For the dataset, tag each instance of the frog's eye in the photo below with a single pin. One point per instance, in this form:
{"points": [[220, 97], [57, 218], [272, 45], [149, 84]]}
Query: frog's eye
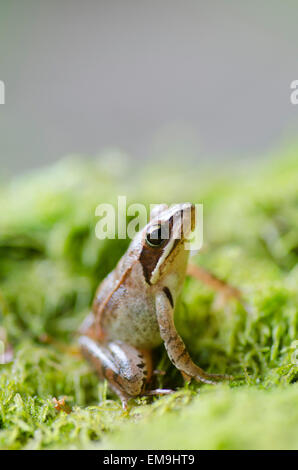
{"points": [[157, 235]]}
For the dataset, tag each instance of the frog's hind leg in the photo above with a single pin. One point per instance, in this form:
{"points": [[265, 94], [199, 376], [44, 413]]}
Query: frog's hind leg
{"points": [[214, 282], [225, 291], [126, 368]]}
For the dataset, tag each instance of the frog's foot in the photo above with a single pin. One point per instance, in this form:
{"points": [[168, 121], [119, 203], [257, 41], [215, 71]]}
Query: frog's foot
{"points": [[126, 368], [159, 391], [124, 401], [203, 377], [212, 379]]}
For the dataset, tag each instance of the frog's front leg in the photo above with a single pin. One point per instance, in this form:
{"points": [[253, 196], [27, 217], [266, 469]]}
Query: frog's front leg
{"points": [[175, 346], [126, 368]]}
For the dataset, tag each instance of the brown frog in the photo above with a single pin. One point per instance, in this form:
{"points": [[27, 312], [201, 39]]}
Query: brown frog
{"points": [[133, 309]]}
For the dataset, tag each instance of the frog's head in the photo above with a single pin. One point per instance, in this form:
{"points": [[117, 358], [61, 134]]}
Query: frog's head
{"points": [[163, 252]]}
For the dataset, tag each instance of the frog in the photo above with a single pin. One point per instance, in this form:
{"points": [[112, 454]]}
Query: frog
{"points": [[133, 308]]}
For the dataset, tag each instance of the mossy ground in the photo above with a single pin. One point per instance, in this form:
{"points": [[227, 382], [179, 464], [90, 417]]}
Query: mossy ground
{"points": [[51, 263]]}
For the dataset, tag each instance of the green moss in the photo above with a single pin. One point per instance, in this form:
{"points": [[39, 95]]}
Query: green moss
{"points": [[244, 418], [51, 263]]}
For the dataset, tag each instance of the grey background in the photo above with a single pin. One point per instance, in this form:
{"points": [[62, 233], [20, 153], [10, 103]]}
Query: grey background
{"points": [[208, 78]]}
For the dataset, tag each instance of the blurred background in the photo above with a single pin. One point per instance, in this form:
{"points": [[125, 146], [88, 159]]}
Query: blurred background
{"points": [[190, 91], [197, 78]]}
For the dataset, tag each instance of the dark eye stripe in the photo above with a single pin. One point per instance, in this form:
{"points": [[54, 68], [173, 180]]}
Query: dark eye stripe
{"points": [[169, 295], [149, 258], [150, 255]]}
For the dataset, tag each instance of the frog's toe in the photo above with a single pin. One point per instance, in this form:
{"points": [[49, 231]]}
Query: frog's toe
{"points": [[213, 379], [159, 391], [124, 402]]}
